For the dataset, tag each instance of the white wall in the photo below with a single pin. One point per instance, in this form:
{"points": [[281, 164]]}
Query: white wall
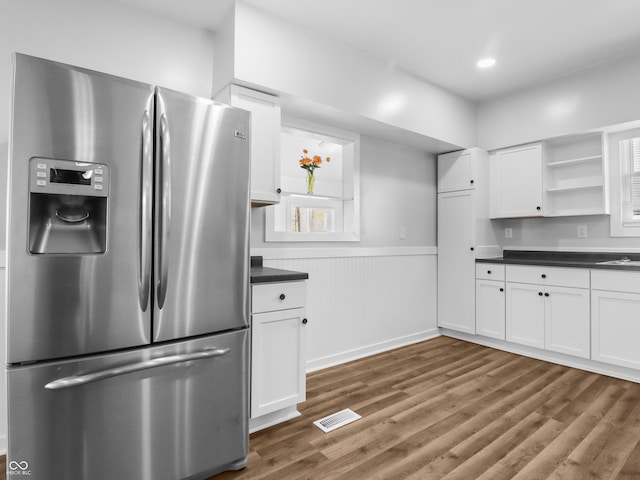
{"points": [[363, 303], [288, 59], [397, 188], [107, 36], [604, 95]]}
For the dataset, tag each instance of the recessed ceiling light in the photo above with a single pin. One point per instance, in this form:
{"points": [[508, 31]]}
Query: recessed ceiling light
{"points": [[486, 63]]}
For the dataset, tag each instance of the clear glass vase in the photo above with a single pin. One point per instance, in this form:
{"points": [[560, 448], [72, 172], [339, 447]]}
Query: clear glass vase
{"points": [[310, 181]]}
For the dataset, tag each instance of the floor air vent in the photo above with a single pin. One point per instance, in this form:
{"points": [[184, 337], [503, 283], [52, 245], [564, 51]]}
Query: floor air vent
{"points": [[336, 420]]}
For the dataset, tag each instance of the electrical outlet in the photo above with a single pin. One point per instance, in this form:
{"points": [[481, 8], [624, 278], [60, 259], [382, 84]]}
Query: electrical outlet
{"points": [[508, 232], [582, 231], [403, 233]]}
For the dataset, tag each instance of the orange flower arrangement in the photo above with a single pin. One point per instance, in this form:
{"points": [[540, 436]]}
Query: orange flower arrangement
{"points": [[310, 164]]}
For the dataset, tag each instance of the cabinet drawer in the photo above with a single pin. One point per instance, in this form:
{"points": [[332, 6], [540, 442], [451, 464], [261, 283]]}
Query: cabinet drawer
{"points": [[489, 271], [278, 296], [615, 280], [562, 277]]}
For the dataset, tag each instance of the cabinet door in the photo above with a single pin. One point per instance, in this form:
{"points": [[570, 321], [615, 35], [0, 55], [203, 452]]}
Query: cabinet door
{"points": [[265, 142], [456, 261], [516, 182], [615, 328], [456, 171], [490, 309], [277, 363], [525, 314], [567, 322]]}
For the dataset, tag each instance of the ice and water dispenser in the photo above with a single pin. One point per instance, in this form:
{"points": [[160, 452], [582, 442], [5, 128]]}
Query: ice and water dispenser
{"points": [[67, 206]]}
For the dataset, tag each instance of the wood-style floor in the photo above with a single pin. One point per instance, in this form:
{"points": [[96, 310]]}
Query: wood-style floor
{"points": [[448, 409]]}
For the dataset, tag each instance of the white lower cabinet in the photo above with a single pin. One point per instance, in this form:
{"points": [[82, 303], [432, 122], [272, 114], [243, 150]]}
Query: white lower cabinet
{"points": [[567, 321], [278, 374], [553, 314], [490, 309], [490, 303], [525, 314], [615, 318]]}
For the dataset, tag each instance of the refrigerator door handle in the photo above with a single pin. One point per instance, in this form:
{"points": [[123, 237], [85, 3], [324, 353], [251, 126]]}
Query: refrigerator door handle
{"points": [[165, 208], [78, 380], [145, 212]]}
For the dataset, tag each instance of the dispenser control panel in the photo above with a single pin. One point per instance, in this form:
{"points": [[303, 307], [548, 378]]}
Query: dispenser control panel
{"points": [[66, 177]]}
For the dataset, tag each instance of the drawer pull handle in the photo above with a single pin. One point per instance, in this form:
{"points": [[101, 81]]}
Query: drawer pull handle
{"points": [[488, 272], [540, 294], [282, 296], [546, 294], [544, 276], [501, 289], [304, 321]]}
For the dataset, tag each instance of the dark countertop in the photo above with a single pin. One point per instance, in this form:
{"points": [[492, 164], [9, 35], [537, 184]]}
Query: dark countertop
{"points": [[260, 274], [563, 259]]}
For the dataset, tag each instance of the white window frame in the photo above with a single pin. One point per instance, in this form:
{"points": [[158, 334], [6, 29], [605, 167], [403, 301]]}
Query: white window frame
{"points": [[619, 227], [351, 203]]}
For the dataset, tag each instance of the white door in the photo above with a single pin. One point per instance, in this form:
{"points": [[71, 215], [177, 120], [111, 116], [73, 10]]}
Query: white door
{"points": [[456, 261], [615, 328], [516, 182], [525, 314], [265, 142], [277, 365], [456, 171], [490, 309], [567, 321]]}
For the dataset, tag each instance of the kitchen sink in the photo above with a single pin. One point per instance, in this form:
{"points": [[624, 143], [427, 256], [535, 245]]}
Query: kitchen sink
{"points": [[623, 261]]}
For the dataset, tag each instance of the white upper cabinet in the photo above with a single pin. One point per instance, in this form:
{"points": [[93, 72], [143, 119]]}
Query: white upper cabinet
{"points": [[265, 140], [516, 182], [457, 171], [562, 176], [575, 176]]}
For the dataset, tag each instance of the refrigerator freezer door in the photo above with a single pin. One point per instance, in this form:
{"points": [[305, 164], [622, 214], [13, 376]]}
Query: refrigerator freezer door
{"points": [[177, 419], [202, 216], [69, 304]]}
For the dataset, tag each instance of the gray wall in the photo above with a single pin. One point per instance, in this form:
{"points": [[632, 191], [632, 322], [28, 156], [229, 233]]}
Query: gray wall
{"points": [[561, 233], [397, 188]]}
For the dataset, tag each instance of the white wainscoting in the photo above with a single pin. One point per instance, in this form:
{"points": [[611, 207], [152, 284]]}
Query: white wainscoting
{"points": [[362, 301]]}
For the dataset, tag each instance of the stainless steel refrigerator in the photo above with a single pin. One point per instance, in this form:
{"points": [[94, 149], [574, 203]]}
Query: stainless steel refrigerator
{"points": [[128, 277]]}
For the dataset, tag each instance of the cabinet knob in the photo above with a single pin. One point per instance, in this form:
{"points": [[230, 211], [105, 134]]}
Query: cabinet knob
{"points": [[304, 321], [546, 294], [472, 249], [471, 182], [540, 294], [501, 289], [543, 275], [282, 296], [279, 190], [538, 208], [488, 272]]}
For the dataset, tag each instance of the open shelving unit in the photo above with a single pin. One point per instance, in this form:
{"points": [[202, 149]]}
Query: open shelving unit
{"points": [[575, 175]]}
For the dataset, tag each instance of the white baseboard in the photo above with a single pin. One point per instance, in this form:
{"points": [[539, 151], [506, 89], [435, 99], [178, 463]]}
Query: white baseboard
{"points": [[356, 354], [553, 357], [273, 418]]}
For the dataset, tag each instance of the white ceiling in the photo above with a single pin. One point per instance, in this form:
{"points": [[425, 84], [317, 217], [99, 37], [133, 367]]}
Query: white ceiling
{"points": [[441, 40]]}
